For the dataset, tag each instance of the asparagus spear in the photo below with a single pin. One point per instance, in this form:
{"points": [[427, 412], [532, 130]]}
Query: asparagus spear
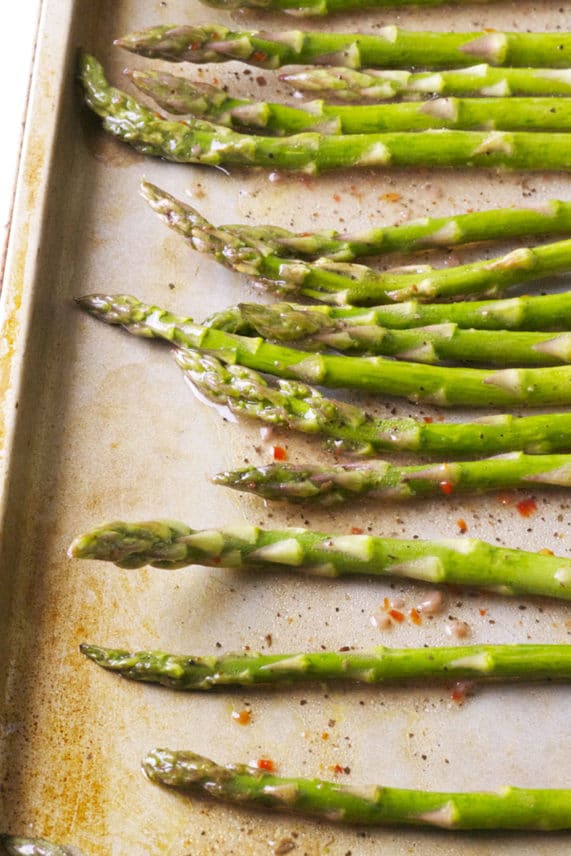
{"points": [[348, 84], [296, 406], [334, 484], [181, 96], [457, 561], [196, 141], [390, 47], [427, 233], [374, 805], [382, 665], [542, 312], [307, 8], [13, 845], [420, 383], [433, 344], [342, 282]]}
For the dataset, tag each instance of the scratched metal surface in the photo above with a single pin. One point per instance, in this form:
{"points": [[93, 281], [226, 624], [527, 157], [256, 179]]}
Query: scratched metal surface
{"points": [[96, 426]]}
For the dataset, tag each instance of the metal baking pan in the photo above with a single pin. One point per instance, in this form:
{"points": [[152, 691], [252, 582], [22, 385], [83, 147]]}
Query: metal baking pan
{"points": [[99, 426]]}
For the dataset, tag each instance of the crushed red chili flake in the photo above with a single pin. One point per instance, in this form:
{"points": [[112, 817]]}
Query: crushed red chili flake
{"points": [[391, 197], [414, 616], [336, 197], [242, 717], [483, 612], [461, 691], [266, 764], [356, 530], [259, 56], [446, 487], [427, 419], [337, 769], [279, 453], [462, 525], [527, 507], [324, 735], [396, 615]]}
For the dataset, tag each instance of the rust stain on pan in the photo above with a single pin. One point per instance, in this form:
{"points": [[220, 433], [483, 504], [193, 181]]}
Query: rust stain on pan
{"points": [[31, 179]]}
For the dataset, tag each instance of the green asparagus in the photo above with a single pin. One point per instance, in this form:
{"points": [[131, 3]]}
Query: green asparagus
{"points": [[390, 47], [294, 405], [440, 385], [456, 561], [308, 8], [382, 665], [433, 344], [196, 141], [337, 483], [484, 80], [542, 312], [375, 805], [427, 233], [349, 283], [181, 96], [14, 845]]}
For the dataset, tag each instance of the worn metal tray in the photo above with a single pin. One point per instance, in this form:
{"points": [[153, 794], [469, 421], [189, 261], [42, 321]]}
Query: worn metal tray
{"points": [[97, 425]]}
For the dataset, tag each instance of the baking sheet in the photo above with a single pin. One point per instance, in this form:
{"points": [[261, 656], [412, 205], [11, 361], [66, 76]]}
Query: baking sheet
{"points": [[99, 426]]}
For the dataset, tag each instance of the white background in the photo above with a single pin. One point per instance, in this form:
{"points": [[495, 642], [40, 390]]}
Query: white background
{"points": [[18, 22]]}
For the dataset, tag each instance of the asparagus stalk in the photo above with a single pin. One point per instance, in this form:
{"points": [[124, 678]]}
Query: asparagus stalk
{"points": [[427, 233], [456, 561], [196, 141], [382, 665], [308, 8], [349, 84], [432, 344], [293, 405], [348, 283], [334, 484], [181, 96], [390, 47], [14, 845], [374, 805], [420, 383], [541, 312]]}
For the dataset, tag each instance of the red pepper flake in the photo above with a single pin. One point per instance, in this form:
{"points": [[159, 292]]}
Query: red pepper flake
{"points": [[446, 487], [461, 691], [279, 453], [356, 530], [483, 612], [414, 616], [527, 507], [325, 735], [242, 717], [391, 197], [396, 615], [259, 56], [428, 419], [216, 560], [462, 525], [336, 197], [337, 769], [266, 764]]}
